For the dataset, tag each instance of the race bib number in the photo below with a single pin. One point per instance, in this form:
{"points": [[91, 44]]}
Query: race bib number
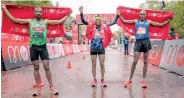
{"points": [[97, 35], [38, 32], [141, 30], [38, 35]]}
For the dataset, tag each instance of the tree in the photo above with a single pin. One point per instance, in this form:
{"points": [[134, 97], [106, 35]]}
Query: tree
{"points": [[30, 2], [173, 6]]}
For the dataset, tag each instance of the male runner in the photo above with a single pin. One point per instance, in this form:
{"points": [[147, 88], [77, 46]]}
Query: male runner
{"points": [[126, 42], [142, 43], [97, 47], [38, 34]]}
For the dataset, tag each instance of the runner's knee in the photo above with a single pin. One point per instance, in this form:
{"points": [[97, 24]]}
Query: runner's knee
{"points": [[135, 60], [145, 62], [102, 64], [46, 68], [36, 67], [93, 63]]}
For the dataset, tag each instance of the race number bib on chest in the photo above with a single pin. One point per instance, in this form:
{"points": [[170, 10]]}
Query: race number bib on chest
{"points": [[141, 30], [97, 35], [38, 32]]}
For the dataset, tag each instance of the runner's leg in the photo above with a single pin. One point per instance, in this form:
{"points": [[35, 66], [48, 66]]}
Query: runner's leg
{"points": [[93, 60]]}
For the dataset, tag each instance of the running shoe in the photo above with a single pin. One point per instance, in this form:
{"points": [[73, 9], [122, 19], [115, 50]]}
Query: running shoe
{"points": [[103, 83], [143, 84], [128, 83], [54, 91], [94, 83], [36, 91]]}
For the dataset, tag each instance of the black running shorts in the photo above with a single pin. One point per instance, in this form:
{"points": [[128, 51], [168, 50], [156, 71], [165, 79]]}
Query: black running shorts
{"points": [[95, 53], [126, 47], [37, 51], [143, 45]]}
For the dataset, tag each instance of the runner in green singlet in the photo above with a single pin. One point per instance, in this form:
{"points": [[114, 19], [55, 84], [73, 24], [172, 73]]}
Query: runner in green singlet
{"points": [[38, 40]]}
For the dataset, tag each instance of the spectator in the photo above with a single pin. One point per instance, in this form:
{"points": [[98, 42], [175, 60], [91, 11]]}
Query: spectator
{"points": [[172, 33]]}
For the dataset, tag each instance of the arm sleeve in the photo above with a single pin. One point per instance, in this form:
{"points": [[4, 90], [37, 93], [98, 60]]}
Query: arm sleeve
{"points": [[83, 20], [113, 21]]}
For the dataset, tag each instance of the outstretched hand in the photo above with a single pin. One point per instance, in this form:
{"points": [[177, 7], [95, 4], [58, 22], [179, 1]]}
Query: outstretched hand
{"points": [[71, 12], [81, 9], [117, 12], [3, 6]]}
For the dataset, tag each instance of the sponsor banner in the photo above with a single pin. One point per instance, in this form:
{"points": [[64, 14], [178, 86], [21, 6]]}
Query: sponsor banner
{"points": [[68, 49], [18, 38], [90, 17], [82, 48], [155, 32], [27, 12], [12, 37], [155, 54], [15, 54], [55, 50], [76, 48], [75, 34], [173, 56]]}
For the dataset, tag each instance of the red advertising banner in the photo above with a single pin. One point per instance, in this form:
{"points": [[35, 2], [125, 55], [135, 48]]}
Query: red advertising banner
{"points": [[15, 54], [82, 48], [12, 37], [27, 12], [68, 49], [90, 17], [155, 54], [75, 34], [173, 56], [18, 38], [155, 32]]}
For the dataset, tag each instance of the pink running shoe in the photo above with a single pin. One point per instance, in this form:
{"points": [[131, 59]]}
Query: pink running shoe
{"points": [[128, 83], [103, 83], [36, 91], [143, 84], [54, 91], [94, 83]]}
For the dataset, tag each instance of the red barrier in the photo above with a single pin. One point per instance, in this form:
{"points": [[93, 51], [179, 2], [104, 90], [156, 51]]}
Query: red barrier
{"points": [[155, 54], [173, 56], [16, 54]]}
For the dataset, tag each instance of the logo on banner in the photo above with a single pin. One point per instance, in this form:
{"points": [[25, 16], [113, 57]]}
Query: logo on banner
{"points": [[18, 54], [19, 30], [24, 53], [180, 57], [54, 32], [24, 30], [154, 14], [155, 34], [175, 56]]}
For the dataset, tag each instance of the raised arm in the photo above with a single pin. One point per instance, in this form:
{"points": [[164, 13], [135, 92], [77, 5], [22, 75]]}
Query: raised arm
{"points": [[55, 22], [16, 20], [126, 21], [159, 24], [82, 16], [113, 21]]}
